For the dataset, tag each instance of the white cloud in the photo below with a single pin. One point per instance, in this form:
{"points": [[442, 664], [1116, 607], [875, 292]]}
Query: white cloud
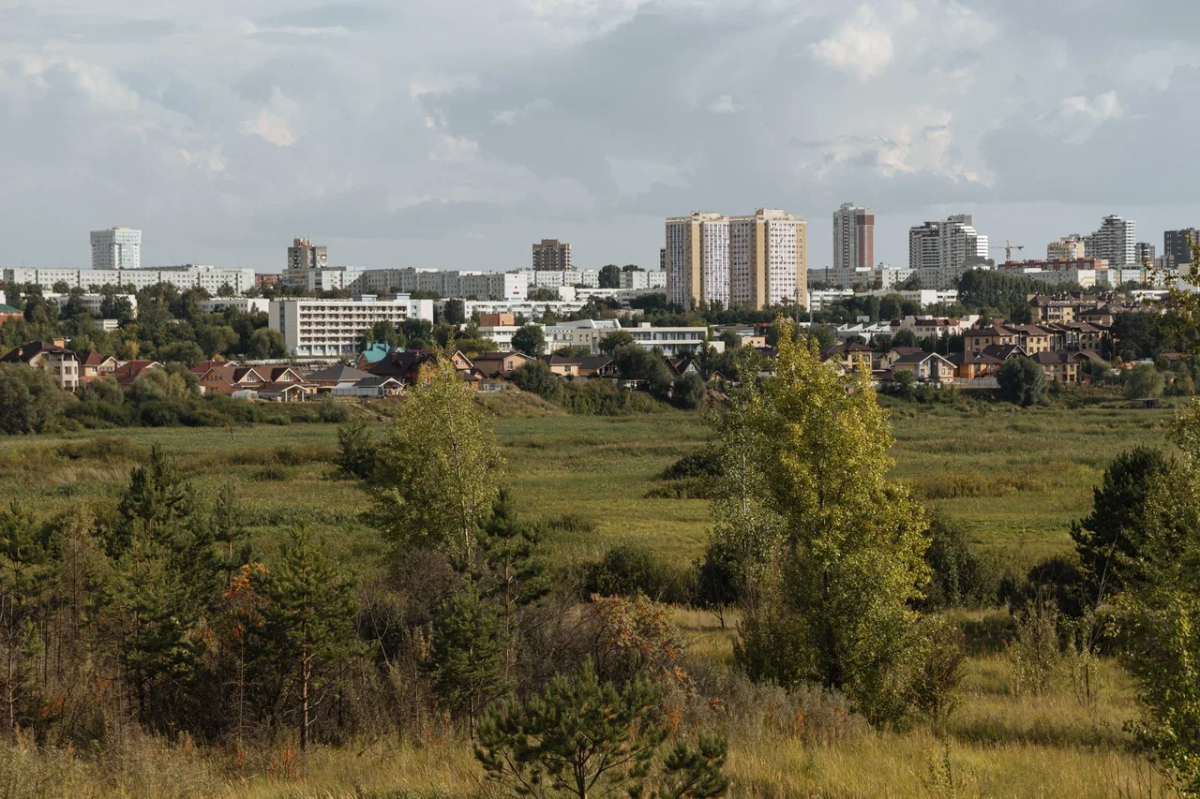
{"points": [[455, 149], [205, 160], [724, 105], [1098, 108], [273, 123], [862, 46]]}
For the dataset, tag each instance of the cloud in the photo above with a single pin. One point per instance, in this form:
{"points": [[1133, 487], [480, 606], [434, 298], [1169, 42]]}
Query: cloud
{"points": [[723, 105], [1099, 108], [862, 46], [273, 124]]}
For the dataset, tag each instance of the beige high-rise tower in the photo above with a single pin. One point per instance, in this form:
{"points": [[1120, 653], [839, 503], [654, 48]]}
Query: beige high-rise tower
{"points": [[750, 261], [552, 255], [853, 237]]}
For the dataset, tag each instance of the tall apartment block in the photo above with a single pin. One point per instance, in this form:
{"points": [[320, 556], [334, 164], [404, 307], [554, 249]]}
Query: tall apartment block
{"points": [[946, 244], [1178, 244], [551, 255], [1143, 252], [117, 248], [1115, 241], [853, 237], [303, 254], [1068, 248], [744, 261]]}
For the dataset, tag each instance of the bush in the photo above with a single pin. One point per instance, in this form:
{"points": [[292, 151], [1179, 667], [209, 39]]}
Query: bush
{"points": [[29, 398], [1143, 381], [629, 570], [1022, 381], [687, 392], [961, 577]]}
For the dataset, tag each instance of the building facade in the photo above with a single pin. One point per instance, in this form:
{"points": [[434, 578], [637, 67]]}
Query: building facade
{"points": [[853, 237], [1115, 242], [1068, 248], [643, 280], [1178, 244], [1144, 252], [209, 278], [117, 248], [551, 255], [333, 328], [303, 254], [946, 244]]}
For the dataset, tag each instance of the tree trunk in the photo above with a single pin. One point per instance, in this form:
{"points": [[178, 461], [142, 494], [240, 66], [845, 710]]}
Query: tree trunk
{"points": [[304, 675]]}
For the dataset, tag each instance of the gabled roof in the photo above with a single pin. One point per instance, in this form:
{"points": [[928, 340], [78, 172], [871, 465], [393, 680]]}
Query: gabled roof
{"points": [[918, 357], [560, 360], [902, 351], [595, 362], [969, 357], [7, 309], [844, 348], [339, 373], [1003, 351], [377, 382], [376, 352], [400, 363], [1053, 357], [992, 330], [96, 359], [30, 350]]}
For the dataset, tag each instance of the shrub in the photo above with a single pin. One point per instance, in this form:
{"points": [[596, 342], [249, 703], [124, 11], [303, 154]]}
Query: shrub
{"points": [[1144, 380], [1022, 381], [960, 576], [1035, 654], [687, 392], [629, 570]]}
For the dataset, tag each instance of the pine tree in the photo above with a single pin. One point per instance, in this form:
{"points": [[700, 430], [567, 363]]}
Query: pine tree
{"points": [[308, 625], [25, 572], [229, 533], [466, 654]]}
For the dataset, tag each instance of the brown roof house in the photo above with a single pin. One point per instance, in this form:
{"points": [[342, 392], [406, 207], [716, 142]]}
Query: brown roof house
{"points": [[500, 364], [970, 365], [1061, 367], [926, 365], [52, 357], [94, 366]]}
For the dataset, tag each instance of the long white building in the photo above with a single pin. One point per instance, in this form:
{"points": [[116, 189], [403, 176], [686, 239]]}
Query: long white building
{"points": [[655, 279], [210, 278], [117, 248], [588, 333], [332, 328]]}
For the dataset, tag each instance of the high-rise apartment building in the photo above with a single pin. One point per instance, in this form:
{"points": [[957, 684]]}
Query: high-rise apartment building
{"points": [[1115, 242], [551, 255], [1143, 252], [116, 248], [745, 261], [303, 254], [1068, 248], [853, 237], [1178, 244], [946, 244]]}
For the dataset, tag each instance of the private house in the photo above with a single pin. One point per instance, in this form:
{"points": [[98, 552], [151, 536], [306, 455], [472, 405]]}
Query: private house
{"points": [[1101, 315], [329, 378], [982, 338], [561, 365], [406, 365], [375, 352], [1046, 309], [927, 366], [500, 364], [7, 313], [1032, 338], [1004, 351], [895, 354], [369, 387], [849, 355], [130, 372], [93, 366], [285, 391], [1061, 367], [52, 357], [681, 366], [597, 366], [228, 378], [281, 374], [970, 365]]}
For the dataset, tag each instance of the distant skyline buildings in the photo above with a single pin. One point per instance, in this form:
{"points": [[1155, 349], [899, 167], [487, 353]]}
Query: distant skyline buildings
{"points": [[116, 248], [853, 237], [1115, 241], [303, 254], [946, 244], [1177, 244], [551, 255], [1068, 248]]}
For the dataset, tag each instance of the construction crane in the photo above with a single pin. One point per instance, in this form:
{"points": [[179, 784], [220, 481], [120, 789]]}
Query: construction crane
{"points": [[1008, 248]]}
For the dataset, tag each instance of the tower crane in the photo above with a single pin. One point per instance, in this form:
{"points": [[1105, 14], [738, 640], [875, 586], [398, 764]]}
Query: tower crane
{"points": [[1008, 248]]}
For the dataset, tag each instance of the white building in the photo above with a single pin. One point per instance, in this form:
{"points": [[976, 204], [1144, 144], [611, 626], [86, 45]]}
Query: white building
{"points": [[583, 333], [91, 302], [927, 297], [821, 299], [333, 328], [881, 275], [244, 304], [553, 279], [1068, 248], [1115, 241], [117, 248], [943, 278], [671, 340], [449, 283], [697, 259], [329, 278], [210, 278], [527, 308], [641, 281], [950, 244]]}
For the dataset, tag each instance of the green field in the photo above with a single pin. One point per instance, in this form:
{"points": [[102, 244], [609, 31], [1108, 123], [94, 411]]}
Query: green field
{"points": [[1015, 479]]}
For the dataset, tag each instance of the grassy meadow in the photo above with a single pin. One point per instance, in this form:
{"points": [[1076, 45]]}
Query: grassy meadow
{"points": [[1015, 479]]}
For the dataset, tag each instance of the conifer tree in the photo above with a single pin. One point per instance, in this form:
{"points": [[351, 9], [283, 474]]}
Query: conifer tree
{"points": [[466, 654], [229, 533], [25, 572], [308, 625]]}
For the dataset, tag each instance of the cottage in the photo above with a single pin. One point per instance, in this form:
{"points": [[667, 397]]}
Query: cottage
{"points": [[1061, 367], [851, 356], [130, 372], [500, 364], [228, 378], [970, 365], [94, 366], [52, 357], [326, 379], [926, 366]]}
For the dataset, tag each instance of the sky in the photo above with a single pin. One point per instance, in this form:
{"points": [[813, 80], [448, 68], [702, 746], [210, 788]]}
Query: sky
{"points": [[454, 134]]}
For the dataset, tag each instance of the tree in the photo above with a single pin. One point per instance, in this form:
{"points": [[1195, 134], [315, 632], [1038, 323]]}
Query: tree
{"points": [[904, 338], [1144, 380], [454, 312], [688, 391], [1162, 610], [613, 340], [854, 543], [219, 339], [25, 569], [308, 624], [436, 475], [904, 383], [466, 654], [530, 339], [1022, 381], [267, 343], [29, 398], [579, 738], [610, 277], [536, 378], [1107, 538]]}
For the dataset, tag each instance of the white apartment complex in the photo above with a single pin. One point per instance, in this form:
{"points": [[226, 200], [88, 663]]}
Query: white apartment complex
{"points": [[453, 283], [949, 243], [333, 328], [117, 248], [880, 275], [244, 304], [588, 333], [671, 340], [853, 237], [555, 279], [743, 261], [641, 281], [1115, 242], [210, 278]]}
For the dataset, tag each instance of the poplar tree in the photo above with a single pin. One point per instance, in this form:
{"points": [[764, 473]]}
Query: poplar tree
{"points": [[436, 473], [308, 626]]}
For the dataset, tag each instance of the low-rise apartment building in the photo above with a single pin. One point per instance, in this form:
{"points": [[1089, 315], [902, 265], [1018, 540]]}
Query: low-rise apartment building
{"points": [[333, 328], [210, 278]]}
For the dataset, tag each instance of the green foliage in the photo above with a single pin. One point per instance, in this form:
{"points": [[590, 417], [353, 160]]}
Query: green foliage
{"points": [[615, 339], [436, 474], [536, 378], [980, 289], [28, 399], [610, 276], [628, 571], [1036, 652], [689, 773], [688, 390], [579, 738], [961, 577], [467, 654], [1144, 380], [852, 559], [530, 340], [1022, 381], [938, 669], [25, 571], [358, 453]]}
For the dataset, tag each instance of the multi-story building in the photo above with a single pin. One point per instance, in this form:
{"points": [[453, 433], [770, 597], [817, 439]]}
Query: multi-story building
{"points": [[671, 340], [333, 328], [551, 255], [244, 305], [529, 309], [944, 277], [1178, 244], [947, 244], [1085, 272], [210, 278], [853, 237], [117, 248], [511, 286], [547, 279], [1115, 242], [303, 254], [53, 357], [747, 261], [880, 276], [643, 280], [1144, 253], [91, 303], [1068, 248], [329, 278]]}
